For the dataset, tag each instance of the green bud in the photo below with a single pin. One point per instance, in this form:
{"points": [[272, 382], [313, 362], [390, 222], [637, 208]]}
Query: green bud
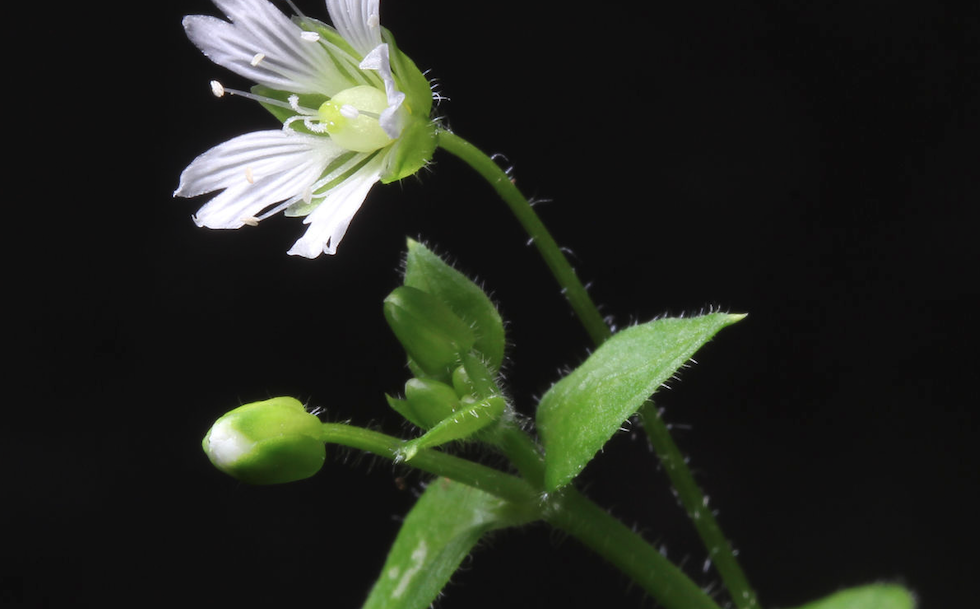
{"points": [[430, 400], [432, 335], [268, 442], [426, 402], [473, 378]]}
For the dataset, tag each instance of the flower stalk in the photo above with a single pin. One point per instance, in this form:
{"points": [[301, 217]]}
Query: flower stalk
{"points": [[691, 496]]}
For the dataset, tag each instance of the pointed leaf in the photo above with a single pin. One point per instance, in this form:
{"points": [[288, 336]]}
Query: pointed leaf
{"points": [[428, 272], [875, 596], [581, 412], [440, 530]]}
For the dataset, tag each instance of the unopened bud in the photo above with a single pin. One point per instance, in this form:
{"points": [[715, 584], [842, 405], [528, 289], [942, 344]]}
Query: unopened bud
{"points": [[432, 335], [267, 442]]}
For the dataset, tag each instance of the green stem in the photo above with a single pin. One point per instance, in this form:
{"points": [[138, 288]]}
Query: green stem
{"points": [[485, 478], [690, 495], [612, 540], [573, 289], [570, 511], [719, 550]]}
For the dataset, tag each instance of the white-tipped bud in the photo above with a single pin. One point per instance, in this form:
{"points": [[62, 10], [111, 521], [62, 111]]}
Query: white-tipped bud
{"points": [[267, 442]]}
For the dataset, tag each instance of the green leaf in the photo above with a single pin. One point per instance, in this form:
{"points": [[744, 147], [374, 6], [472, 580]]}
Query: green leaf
{"points": [[428, 272], [440, 530], [581, 412], [875, 596]]}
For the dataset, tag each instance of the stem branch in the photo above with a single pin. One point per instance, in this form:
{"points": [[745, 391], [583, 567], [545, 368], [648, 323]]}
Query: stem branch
{"points": [[570, 512], [719, 550], [485, 478]]}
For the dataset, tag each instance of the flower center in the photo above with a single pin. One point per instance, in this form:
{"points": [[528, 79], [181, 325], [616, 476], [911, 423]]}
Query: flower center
{"points": [[351, 118]]}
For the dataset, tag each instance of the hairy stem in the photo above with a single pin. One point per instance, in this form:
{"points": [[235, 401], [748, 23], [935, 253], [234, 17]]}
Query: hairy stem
{"points": [[485, 478], [719, 550], [570, 512], [571, 286], [690, 495]]}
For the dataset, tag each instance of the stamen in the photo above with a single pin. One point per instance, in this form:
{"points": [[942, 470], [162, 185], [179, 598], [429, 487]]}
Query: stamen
{"points": [[258, 58], [349, 112], [292, 104], [249, 220], [310, 36], [248, 175]]}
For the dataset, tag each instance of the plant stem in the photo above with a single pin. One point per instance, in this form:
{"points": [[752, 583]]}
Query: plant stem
{"points": [[719, 550], [632, 555], [694, 502], [573, 289], [485, 478], [570, 512]]}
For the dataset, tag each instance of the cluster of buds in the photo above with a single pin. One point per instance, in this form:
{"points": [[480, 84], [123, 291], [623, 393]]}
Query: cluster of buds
{"points": [[454, 394]]}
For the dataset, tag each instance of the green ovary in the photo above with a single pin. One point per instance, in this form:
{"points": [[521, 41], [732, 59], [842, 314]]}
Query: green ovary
{"points": [[360, 133]]}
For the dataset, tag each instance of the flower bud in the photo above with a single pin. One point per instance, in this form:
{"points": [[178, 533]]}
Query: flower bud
{"points": [[430, 401], [432, 335], [267, 442]]}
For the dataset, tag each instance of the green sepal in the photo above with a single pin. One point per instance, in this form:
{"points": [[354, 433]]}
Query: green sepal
{"points": [[432, 335], [874, 596], [582, 411], [470, 418], [428, 272], [474, 379], [409, 79], [411, 151], [417, 142]]}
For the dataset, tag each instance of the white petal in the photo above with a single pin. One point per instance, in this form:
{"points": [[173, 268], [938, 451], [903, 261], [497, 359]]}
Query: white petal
{"points": [[329, 222], [288, 63], [358, 21], [379, 61], [256, 171]]}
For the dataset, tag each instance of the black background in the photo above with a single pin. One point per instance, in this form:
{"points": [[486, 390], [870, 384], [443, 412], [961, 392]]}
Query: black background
{"points": [[811, 164]]}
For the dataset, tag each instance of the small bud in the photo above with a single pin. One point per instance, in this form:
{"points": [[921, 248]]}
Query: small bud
{"points": [[269, 442], [472, 378], [430, 401], [432, 335]]}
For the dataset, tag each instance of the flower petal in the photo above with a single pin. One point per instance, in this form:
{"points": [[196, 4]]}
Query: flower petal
{"points": [[358, 21], [259, 30], [329, 222], [256, 170], [379, 61]]}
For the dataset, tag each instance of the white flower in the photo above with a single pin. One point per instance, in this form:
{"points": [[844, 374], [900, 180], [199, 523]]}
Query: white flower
{"points": [[354, 112]]}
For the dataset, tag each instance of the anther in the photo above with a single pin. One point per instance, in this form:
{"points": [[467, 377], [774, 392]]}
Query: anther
{"points": [[248, 175], [258, 58], [349, 112], [310, 36], [249, 220], [217, 89]]}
